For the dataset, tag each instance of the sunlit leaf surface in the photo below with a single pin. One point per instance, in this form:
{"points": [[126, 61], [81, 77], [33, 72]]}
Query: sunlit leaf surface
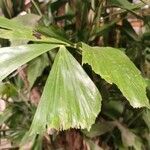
{"points": [[12, 24], [70, 99], [13, 57], [115, 67]]}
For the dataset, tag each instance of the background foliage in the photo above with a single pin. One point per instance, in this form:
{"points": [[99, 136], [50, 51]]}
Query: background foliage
{"points": [[69, 24]]}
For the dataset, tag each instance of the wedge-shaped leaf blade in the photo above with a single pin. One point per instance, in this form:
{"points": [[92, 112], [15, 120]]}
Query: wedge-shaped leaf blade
{"points": [[69, 100], [115, 67], [13, 57]]}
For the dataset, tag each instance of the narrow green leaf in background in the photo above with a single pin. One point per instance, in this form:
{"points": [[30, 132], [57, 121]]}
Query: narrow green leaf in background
{"points": [[26, 35], [17, 35], [115, 67], [13, 57], [53, 32], [69, 100]]}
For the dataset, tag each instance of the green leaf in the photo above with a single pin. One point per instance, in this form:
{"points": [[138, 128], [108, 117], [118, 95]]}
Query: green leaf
{"points": [[35, 68], [12, 24], [115, 67], [69, 100], [15, 30], [54, 32], [17, 35], [13, 57]]}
